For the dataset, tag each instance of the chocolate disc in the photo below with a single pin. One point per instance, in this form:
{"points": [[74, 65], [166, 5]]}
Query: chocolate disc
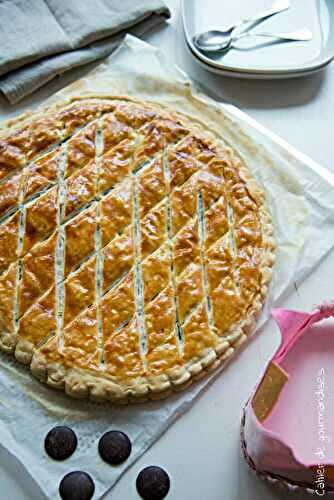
{"points": [[77, 486], [114, 447], [60, 443], [153, 483]]}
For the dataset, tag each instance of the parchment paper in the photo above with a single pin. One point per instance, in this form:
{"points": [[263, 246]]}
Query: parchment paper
{"points": [[300, 198]]}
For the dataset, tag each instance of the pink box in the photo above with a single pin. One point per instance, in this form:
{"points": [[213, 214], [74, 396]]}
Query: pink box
{"points": [[287, 430]]}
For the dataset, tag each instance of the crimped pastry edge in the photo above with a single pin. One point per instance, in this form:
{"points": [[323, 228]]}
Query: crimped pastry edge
{"points": [[81, 384]]}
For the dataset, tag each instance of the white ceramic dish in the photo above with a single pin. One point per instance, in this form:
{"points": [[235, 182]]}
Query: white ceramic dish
{"points": [[286, 60]]}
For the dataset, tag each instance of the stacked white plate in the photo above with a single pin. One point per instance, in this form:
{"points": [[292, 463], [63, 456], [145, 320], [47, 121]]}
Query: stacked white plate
{"points": [[253, 57]]}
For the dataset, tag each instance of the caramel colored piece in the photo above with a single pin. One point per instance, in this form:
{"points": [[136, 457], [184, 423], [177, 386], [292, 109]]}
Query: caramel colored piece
{"points": [[9, 194], [81, 112], [122, 353], [41, 218], [197, 336], [157, 135], [134, 116], [162, 348], [50, 351], [182, 166], [216, 223], [116, 164], [41, 174], [156, 273], [186, 247], [116, 211], [219, 262], [118, 258], [183, 204], [40, 320], [249, 274], [7, 299], [81, 149], [79, 238], [210, 183], [81, 188], [11, 159], [43, 133], [197, 147], [79, 290], [153, 230], [248, 230], [189, 290], [38, 272], [9, 231], [152, 186], [81, 341], [227, 305], [186, 159], [118, 306], [114, 132]]}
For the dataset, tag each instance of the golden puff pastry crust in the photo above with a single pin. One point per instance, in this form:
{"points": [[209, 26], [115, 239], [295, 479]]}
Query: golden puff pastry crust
{"points": [[136, 249]]}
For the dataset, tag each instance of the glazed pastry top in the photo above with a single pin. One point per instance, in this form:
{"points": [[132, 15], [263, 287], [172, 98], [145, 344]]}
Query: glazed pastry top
{"points": [[134, 246]]}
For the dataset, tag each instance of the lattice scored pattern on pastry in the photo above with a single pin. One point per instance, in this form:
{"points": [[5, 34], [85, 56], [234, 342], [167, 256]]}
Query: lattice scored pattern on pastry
{"points": [[135, 248]]}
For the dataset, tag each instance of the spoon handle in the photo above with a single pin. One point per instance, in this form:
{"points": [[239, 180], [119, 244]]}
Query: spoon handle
{"points": [[276, 8], [302, 35]]}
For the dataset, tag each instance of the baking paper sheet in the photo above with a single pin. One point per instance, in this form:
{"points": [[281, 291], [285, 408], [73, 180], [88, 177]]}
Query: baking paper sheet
{"points": [[300, 198]]}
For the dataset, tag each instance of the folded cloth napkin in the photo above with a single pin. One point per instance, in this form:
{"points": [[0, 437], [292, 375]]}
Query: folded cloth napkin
{"points": [[41, 39]]}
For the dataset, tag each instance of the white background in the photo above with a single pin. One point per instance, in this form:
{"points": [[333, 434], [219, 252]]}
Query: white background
{"points": [[201, 451]]}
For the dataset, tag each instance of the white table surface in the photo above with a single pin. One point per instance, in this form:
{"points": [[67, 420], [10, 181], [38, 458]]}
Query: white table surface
{"points": [[201, 450]]}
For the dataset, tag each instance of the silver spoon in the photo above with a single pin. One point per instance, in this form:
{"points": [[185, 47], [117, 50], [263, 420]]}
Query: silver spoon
{"points": [[216, 39]]}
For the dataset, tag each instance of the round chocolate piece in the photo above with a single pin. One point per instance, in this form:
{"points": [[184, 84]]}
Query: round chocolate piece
{"points": [[60, 443], [114, 447], [76, 486], [153, 483]]}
